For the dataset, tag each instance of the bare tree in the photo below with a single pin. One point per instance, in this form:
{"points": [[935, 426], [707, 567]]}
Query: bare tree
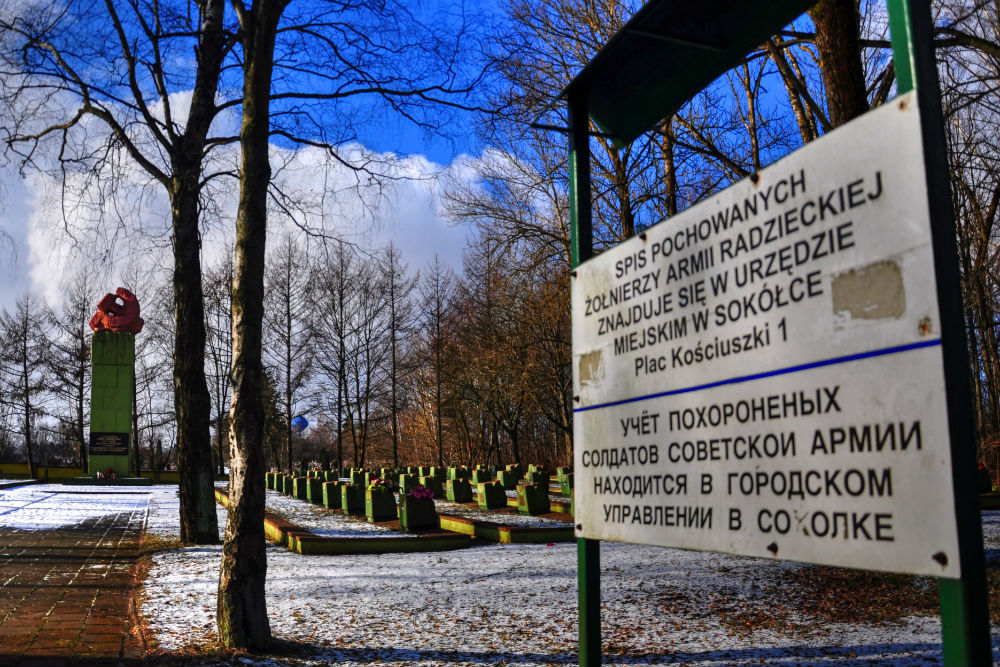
{"points": [[399, 288], [218, 350], [53, 83], [838, 40], [288, 326], [24, 342], [69, 359], [436, 291], [968, 43], [335, 275], [241, 610], [366, 355]]}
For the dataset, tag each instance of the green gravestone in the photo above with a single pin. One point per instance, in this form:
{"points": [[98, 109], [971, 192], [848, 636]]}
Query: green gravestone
{"points": [[314, 490], [352, 498], [537, 476], [509, 479], [533, 499], [407, 482], [113, 359], [458, 491], [300, 488], [332, 498], [434, 484], [491, 495], [380, 505], [567, 484], [417, 513]]}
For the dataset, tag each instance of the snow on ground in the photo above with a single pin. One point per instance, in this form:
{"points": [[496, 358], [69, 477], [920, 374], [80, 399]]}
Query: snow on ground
{"points": [[46, 506], [506, 603], [517, 604], [321, 521], [490, 604], [162, 519]]}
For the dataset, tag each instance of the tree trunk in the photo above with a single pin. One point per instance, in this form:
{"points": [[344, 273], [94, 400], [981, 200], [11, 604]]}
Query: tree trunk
{"points": [[27, 409], [219, 439], [135, 427], [751, 119], [341, 360], [80, 391], [288, 368], [393, 325], [241, 605], [669, 169], [438, 314], [626, 216], [192, 401], [806, 123], [838, 42], [515, 447], [340, 418]]}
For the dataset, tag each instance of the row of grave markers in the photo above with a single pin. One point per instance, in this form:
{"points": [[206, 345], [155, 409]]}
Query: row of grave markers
{"points": [[359, 491]]}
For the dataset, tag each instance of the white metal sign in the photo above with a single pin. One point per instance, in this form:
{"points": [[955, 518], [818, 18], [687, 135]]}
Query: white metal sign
{"points": [[762, 373]]}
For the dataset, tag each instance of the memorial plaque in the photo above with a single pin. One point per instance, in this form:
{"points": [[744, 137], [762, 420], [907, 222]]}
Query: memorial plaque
{"points": [[111, 444], [762, 373]]}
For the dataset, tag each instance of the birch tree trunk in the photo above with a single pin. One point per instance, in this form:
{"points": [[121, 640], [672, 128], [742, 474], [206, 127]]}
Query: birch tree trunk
{"points": [[241, 606]]}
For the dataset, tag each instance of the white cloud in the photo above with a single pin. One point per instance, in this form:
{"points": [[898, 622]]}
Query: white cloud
{"points": [[14, 210], [109, 223]]}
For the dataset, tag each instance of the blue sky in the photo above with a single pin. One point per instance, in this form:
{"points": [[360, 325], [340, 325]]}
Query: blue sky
{"points": [[410, 219]]}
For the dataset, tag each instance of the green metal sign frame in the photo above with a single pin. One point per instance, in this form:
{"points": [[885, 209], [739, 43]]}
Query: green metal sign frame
{"points": [[668, 52]]}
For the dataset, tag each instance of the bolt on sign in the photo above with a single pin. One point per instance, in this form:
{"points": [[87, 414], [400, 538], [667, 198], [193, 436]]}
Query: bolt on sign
{"points": [[762, 374]]}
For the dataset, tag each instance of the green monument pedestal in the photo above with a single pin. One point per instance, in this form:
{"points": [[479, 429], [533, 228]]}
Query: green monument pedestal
{"points": [[113, 359]]}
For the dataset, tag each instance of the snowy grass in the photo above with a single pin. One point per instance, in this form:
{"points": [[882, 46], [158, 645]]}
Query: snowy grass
{"points": [[513, 604], [47, 506], [321, 521], [499, 604]]}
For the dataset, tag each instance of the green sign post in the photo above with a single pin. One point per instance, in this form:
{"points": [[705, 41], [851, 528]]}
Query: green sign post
{"points": [[663, 56]]}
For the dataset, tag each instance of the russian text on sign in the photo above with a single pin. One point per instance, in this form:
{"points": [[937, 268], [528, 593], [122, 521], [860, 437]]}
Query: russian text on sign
{"points": [[762, 373]]}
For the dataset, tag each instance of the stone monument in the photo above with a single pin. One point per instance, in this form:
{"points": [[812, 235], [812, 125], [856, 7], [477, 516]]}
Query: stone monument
{"points": [[115, 325]]}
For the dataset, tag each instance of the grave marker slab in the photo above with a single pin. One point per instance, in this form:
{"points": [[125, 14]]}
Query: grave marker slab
{"points": [[458, 490]]}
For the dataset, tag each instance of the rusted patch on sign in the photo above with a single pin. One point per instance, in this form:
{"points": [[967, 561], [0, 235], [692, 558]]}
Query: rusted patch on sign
{"points": [[872, 292], [591, 368]]}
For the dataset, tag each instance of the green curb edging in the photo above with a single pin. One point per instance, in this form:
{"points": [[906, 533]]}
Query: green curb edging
{"points": [[495, 532], [554, 508], [307, 543], [302, 541]]}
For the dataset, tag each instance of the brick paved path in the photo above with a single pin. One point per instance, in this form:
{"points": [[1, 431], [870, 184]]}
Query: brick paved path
{"points": [[65, 591]]}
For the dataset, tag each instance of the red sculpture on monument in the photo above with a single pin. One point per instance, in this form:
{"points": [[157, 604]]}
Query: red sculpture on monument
{"points": [[117, 312]]}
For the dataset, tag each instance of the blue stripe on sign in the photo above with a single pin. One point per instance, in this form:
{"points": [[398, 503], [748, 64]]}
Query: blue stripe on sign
{"points": [[781, 371]]}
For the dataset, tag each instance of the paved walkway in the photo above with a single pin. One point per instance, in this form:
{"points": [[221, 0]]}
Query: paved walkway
{"points": [[66, 591]]}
